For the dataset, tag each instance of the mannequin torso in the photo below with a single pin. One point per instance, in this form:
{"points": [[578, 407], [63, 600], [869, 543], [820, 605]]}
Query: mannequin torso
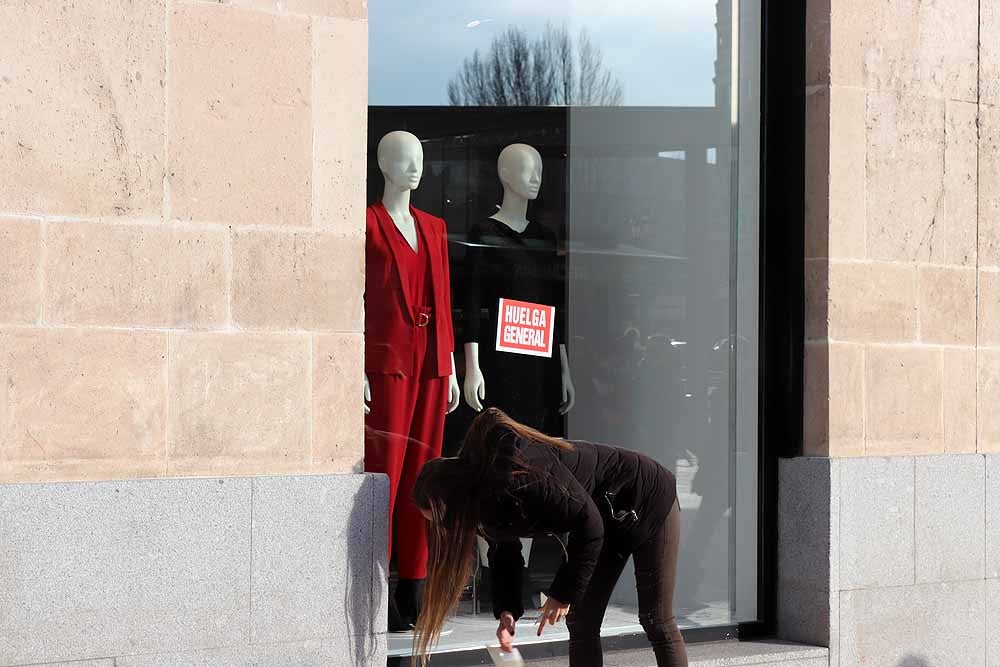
{"points": [[401, 160], [525, 266], [397, 203], [516, 220], [530, 251]]}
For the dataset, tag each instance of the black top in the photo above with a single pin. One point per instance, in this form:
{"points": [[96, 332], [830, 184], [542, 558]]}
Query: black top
{"points": [[604, 497], [505, 264]]}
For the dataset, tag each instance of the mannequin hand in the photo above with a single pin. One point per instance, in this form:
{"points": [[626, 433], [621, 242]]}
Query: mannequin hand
{"points": [[568, 394], [553, 611], [453, 394], [475, 389], [368, 397], [568, 390], [505, 633]]}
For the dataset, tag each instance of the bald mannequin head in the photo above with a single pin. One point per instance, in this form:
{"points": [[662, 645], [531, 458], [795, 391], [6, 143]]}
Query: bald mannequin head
{"points": [[520, 169], [401, 160]]}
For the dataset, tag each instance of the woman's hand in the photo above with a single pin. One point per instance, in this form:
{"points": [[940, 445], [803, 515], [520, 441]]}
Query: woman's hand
{"points": [[553, 612], [505, 633]]}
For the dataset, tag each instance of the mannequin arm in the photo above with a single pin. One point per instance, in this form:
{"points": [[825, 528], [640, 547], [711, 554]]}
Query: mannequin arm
{"points": [[568, 390], [453, 393], [475, 384], [368, 396]]}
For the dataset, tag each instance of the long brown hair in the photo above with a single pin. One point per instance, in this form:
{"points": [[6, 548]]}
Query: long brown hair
{"points": [[450, 490]]}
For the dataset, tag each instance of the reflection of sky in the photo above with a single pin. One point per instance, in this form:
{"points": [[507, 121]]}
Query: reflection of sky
{"points": [[662, 50]]}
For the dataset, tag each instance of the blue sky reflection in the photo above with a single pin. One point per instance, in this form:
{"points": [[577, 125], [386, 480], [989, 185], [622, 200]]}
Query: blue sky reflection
{"points": [[663, 51]]}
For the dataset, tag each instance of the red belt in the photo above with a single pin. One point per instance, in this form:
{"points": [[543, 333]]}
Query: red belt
{"points": [[422, 315]]}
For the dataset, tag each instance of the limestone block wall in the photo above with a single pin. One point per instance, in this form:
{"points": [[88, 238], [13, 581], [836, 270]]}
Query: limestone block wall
{"points": [[887, 527], [181, 237], [902, 227]]}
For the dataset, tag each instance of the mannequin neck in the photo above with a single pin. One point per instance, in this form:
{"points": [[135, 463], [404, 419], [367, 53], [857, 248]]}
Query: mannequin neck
{"points": [[396, 201], [513, 212]]}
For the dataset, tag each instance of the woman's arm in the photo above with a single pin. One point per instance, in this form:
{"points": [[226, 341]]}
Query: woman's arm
{"points": [[569, 508], [506, 577]]}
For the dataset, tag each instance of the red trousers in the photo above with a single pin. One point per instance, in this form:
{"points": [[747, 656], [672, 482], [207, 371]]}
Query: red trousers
{"points": [[404, 430]]}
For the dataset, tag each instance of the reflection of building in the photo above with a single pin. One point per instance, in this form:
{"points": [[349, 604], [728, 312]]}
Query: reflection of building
{"points": [[723, 53]]}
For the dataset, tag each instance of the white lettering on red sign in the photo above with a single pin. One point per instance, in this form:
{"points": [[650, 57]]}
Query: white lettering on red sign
{"points": [[525, 328]]}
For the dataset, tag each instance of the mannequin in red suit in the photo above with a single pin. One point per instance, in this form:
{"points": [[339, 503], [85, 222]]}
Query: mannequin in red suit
{"points": [[409, 363]]}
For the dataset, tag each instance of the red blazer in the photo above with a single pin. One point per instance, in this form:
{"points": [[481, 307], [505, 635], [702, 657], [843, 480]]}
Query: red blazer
{"points": [[389, 319]]}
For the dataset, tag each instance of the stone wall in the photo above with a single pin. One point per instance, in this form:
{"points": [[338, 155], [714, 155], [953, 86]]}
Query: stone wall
{"points": [[887, 530], [902, 227], [181, 237], [892, 561], [209, 572]]}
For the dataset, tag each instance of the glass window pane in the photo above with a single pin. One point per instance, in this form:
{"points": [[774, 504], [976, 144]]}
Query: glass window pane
{"points": [[643, 236]]}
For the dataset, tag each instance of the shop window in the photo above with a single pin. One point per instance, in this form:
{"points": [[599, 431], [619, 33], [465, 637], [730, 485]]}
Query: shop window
{"points": [[601, 159]]}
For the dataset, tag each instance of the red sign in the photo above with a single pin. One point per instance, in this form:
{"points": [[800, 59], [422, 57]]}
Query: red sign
{"points": [[525, 328]]}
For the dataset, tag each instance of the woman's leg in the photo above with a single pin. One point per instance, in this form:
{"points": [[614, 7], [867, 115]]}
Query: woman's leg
{"points": [[655, 578], [585, 617]]}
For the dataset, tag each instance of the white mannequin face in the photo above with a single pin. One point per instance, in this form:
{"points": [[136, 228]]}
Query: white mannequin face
{"points": [[520, 168], [401, 159]]}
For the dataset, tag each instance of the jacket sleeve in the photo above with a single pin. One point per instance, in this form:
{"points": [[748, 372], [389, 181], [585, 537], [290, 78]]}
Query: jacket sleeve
{"points": [[506, 577], [569, 508]]}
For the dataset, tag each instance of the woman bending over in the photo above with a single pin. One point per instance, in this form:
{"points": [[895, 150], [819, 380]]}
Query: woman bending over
{"points": [[510, 481]]}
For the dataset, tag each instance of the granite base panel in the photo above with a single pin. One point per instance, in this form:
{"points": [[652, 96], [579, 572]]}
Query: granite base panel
{"points": [[720, 654], [889, 562], [347, 652], [235, 571]]}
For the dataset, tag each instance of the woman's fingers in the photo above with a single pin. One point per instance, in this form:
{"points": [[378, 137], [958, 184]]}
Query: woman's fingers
{"points": [[550, 616], [505, 633], [507, 622], [553, 612]]}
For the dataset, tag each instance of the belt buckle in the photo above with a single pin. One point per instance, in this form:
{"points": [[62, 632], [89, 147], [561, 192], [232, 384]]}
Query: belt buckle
{"points": [[423, 319]]}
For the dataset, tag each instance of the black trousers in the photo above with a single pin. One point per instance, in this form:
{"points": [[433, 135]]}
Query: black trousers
{"points": [[655, 578]]}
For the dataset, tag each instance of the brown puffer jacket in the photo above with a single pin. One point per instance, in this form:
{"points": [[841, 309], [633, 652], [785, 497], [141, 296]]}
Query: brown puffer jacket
{"points": [[603, 497]]}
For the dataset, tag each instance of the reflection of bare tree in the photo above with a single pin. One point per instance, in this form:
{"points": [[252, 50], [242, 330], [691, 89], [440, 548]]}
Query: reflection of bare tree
{"points": [[553, 69]]}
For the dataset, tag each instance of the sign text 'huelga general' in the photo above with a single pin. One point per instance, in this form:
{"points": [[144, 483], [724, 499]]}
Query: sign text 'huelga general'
{"points": [[525, 328]]}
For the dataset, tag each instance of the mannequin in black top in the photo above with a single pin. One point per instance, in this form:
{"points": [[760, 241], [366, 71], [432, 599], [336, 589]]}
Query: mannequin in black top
{"points": [[513, 258]]}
